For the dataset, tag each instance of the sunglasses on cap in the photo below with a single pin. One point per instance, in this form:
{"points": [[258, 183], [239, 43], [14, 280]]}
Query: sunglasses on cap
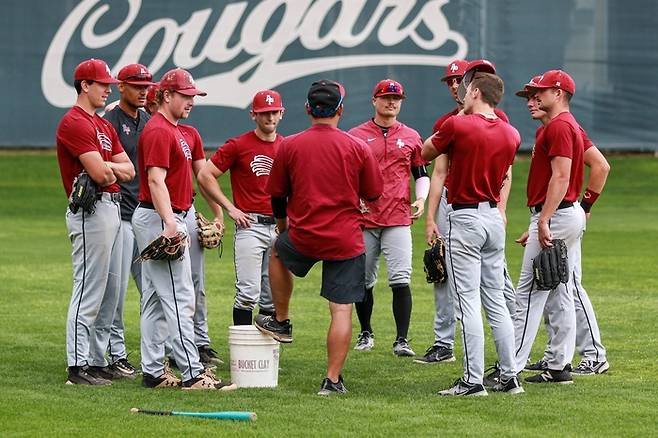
{"points": [[455, 80]]}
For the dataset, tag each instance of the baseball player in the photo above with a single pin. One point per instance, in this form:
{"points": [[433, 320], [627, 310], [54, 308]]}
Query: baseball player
{"points": [[151, 106], [554, 183], [86, 142], [588, 336], [128, 120], [316, 182], [249, 157], [388, 219], [166, 164], [436, 222], [481, 149]]}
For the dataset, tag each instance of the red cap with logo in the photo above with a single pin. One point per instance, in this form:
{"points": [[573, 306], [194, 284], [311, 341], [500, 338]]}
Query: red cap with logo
{"points": [[388, 87], [454, 69], [556, 79], [150, 93], [94, 70], [483, 65], [266, 100], [135, 74], [531, 84], [181, 81]]}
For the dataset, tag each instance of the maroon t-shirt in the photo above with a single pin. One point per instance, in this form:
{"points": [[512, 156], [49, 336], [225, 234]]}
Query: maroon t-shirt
{"points": [[79, 133], [163, 144], [561, 137], [480, 151], [250, 161], [323, 171]]}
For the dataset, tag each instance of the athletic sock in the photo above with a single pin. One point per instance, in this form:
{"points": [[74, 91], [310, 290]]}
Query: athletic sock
{"points": [[241, 317], [266, 312], [364, 311], [402, 309]]}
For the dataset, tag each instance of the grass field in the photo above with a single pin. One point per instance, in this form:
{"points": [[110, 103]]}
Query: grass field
{"points": [[388, 396]]}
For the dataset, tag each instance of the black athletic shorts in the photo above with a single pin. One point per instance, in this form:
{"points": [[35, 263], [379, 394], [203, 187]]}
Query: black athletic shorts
{"points": [[343, 281]]}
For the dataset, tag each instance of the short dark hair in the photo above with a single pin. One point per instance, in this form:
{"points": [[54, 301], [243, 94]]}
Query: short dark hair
{"points": [[78, 84], [491, 87]]}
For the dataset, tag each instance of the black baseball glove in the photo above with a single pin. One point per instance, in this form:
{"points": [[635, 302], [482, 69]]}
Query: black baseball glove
{"points": [[165, 248], [84, 194], [435, 262], [551, 266]]}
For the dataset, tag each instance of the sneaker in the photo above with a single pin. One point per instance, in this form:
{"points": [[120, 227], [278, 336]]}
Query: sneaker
{"points": [[540, 365], [491, 376], [365, 341], [436, 354], [166, 380], [462, 388], [590, 367], [401, 348], [123, 369], [101, 372], [280, 331], [510, 386], [209, 356], [80, 376], [172, 363], [208, 380], [328, 387], [550, 376]]}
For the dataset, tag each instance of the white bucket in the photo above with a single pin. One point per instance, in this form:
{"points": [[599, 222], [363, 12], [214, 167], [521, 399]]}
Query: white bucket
{"points": [[254, 357]]}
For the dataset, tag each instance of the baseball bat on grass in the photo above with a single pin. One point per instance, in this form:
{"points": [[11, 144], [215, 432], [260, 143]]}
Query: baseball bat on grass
{"points": [[224, 415]]}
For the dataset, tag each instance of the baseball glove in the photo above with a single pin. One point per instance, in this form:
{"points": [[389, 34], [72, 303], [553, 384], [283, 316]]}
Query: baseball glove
{"points": [[165, 248], [84, 194], [210, 233], [551, 266], [435, 262]]}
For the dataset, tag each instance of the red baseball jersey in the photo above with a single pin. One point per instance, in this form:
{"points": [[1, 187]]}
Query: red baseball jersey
{"points": [[480, 152], [324, 171], [162, 144], [437, 125], [250, 161], [561, 137], [79, 133], [396, 153]]}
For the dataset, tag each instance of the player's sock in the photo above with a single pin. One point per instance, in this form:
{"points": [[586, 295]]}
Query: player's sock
{"points": [[402, 309], [364, 311], [266, 312], [241, 317]]}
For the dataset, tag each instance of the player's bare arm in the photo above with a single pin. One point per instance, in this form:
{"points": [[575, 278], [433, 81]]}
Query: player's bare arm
{"points": [[95, 166], [207, 178], [599, 168], [122, 167], [437, 181], [161, 200], [557, 188], [218, 214], [504, 194], [429, 152]]}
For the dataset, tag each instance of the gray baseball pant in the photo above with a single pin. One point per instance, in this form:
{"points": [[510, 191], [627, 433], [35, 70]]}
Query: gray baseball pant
{"points": [[395, 243]]}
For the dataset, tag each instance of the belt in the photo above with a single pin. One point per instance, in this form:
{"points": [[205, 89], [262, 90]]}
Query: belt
{"points": [[152, 207], [265, 220], [114, 196], [492, 204], [537, 208]]}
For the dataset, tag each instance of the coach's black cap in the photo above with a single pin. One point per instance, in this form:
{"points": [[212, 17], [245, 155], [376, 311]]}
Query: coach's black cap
{"points": [[324, 98]]}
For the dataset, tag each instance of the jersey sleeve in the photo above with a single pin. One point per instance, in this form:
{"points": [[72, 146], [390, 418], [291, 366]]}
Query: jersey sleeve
{"points": [[416, 158], [371, 182], [559, 137], [225, 156], [278, 183], [587, 143], [501, 115], [75, 135], [443, 138], [156, 147], [197, 151]]}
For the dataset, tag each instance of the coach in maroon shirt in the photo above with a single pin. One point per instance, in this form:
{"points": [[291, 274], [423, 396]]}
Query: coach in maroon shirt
{"points": [[316, 181]]}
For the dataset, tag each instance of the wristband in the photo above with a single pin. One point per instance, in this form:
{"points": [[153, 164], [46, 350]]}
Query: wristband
{"points": [[589, 198]]}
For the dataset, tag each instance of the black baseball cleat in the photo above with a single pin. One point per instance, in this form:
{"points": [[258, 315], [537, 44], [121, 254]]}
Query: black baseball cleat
{"points": [[166, 380], [510, 386], [540, 365], [591, 367], [328, 387], [209, 356], [491, 376], [101, 372], [465, 389], [80, 376], [436, 354], [123, 369], [401, 348], [279, 330], [551, 376]]}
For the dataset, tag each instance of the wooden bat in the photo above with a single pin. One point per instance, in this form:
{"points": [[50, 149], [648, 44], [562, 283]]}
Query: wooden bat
{"points": [[224, 415]]}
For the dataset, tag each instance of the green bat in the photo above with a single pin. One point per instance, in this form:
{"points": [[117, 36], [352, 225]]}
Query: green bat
{"points": [[224, 415]]}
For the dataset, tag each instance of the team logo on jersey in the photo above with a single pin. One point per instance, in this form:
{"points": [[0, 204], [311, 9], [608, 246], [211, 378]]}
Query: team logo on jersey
{"points": [[104, 141], [400, 143], [125, 128], [185, 148], [261, 165]]}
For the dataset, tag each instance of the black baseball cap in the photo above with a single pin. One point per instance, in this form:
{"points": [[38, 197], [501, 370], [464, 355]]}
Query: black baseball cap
{"points": [[324, 98]]}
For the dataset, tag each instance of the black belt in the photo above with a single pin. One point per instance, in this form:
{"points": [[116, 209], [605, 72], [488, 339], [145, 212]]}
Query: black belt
{"points": [[152, 207], [492, 204], [265, 220], [537, 208], [114, 196]]}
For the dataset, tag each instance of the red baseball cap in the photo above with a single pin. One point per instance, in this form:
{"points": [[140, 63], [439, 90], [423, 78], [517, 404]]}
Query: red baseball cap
{"points": [[181, 81], [479, 65], [455, 68], [531, 84], [556, 79], [266, 100], [150, 93], [94, 70], [135, 74], [388, 87]]}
